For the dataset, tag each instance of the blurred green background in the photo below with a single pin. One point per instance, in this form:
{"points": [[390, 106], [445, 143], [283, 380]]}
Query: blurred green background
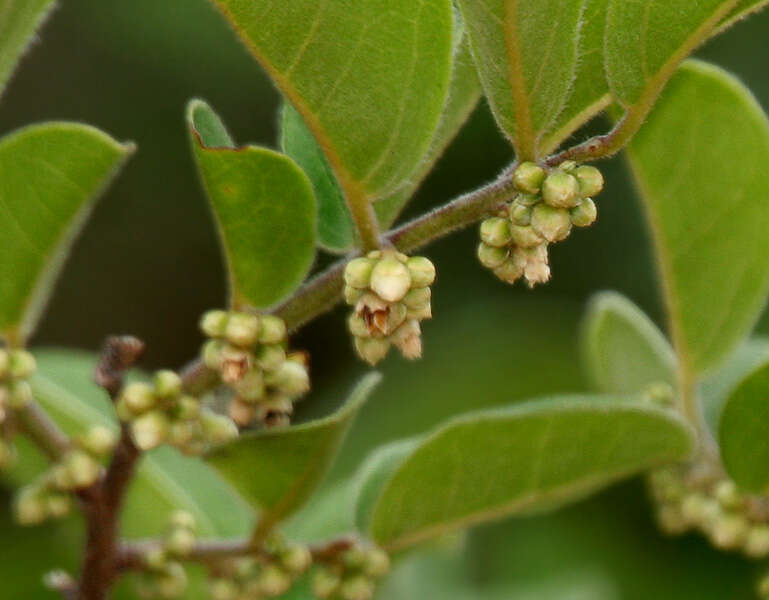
{"points": [[148, 264]]}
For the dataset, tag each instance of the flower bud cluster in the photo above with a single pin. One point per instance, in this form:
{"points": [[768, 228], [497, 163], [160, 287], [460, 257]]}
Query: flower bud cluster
{"points": [[549, 202], [267, 576], [16, 366], [390, 295], [160, 413], [353, 577], [249, 353], [49, 495], [689, 499]]}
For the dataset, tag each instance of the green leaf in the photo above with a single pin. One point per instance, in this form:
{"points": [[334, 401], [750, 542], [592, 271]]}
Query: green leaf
{"points": [[705, 189], [743, 432], [278, 470], [484, 466], [744, 9], [19, 19], [50, 176], [369, 78], [590, 92], [264, 207], [622, 349], [646, 41], [166, 480], [526, 53]]}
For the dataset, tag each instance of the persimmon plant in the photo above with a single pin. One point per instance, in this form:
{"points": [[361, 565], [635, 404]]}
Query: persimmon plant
{"points": [[374, 91]]}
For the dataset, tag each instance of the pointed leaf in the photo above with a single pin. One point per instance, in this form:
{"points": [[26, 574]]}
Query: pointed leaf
{"points": [[743, 432], [705, 191], [369, 78], [622, 349], [744, 9], [278, 470], [487, 465], [526, 53], [646, 41], [264, 207], [50, 177], [19, 19]]}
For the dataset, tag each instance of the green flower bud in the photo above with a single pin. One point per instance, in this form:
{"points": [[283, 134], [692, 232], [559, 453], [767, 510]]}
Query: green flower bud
{"points": [[527, 199], [390, 279], [167, 384], [520, 214], [99, 440], [19, 394], [374, 255], [357, 325], [757, 541], [272, 330], [491, 257], [417, 297], [214, 322], [357, 273], [354, 559], [296, 559], [699, 510], [526, 237], [670, 519], [273, 581], [224, 589], [560, 190], [5, 363], [358, 587], [188, 408], [496, 232], [251, 387], [422, 271], [156, 559], [217, 428], [149, 430], [352, 295], [270, 357], [372, 350], [242, 330], [568, 165], [172, 582], [377, 563], [181, 542], [138, 398], [21, 364], [58, 505], [590, 181], [211, 354], [728, 495], [729, 531], [290, 378], [553, 224], [325, 583], [528, 177], [60, 478], [82, 468], [584, 214], [30, 507], [510, 271]]}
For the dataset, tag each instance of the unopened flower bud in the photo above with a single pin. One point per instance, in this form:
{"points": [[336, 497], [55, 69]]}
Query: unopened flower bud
{"points": [[528, 177], [224, 589], [520, 214], [357, 587], [496, 232], [526, 237], [272, 330], [354, 559], [30, 507], [82, 468], [357, 273], [590, 181], [372, 350], [167, 384], [270, 357], [150, 430], [242, 330], [251, 387], [155, 559], [560, 190], [584, 214], [757, 541], [296, 559], [21, 364], [188, 407], [325, 583], [290, 378], [217, 428], [408, 339], [728, 495], [19, 394], [729, 531], [568, 165], [510, 271], [422, 271], [699, 510], [527, 199], [182, 433], [172, 581], [181, 542], [553, 224], [670, 519], [138, 398], [491, 257], [213, 323], [99, 440], [58, 505], [390, 279], [376, 563], [273, 581], [352, 295]]}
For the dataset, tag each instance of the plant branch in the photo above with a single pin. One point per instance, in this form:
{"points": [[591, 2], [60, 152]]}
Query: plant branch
{"points": [[39, 427]]}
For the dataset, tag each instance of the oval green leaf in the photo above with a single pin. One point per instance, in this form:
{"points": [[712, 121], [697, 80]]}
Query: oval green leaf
{"points": [[488, 465], [369, 78], [264, 207], [622, 349], [50, 177], [705, 189], [278, 470], [20, 19], [526, 54], [743, 432]]}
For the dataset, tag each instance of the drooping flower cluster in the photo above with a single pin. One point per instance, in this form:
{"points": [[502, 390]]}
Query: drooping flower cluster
{"points": [[49, 496], [514, 243], [160, 413], [353, 577], [390, 295], [248, 352], [16, 366]]}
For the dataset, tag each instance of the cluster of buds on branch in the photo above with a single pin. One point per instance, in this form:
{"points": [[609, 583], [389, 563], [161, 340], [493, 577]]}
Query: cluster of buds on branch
{"points": [[514, 243], [16, 367], [353, 576], [248, 352], [164, 576], [161, 413], [390, 295]]}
